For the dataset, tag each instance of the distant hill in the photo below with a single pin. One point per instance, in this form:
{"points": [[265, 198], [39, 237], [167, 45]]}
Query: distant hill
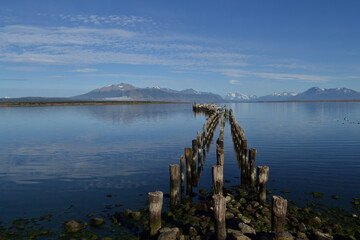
{"points": [[316, 93], [127, 92], [312, 94], [34, 99]]}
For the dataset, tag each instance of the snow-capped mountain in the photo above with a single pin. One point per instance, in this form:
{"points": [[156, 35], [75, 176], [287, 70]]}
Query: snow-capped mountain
{"points": [[239, 97], [316, 93], [115, 87], [277, 96], [284, 94], [128, 92], [313, 93]]}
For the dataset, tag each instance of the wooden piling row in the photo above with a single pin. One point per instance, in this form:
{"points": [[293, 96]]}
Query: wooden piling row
{"points": [[188, 158], [211, 124], [246, 161], [237, 131], [245, 157], [206, 108], [222, 125]]}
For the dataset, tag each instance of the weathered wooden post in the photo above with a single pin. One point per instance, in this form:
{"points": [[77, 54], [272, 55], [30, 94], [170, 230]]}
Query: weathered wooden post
{"points": [[194, 147], [220, 151], [204, 133], [199, 140], [174, 184], [252, 169], [182, 170], [182, 175], [244, 144], [188, 157], [244, 163], [219, 213], [193, 163], [155, 206], [199, 146], [220, 156], [278, 216], [218, 179], [220, 143], [263, 172]]}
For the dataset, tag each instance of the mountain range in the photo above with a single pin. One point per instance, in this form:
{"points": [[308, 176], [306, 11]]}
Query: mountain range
{"points": [[127, 92], [312, 94]]}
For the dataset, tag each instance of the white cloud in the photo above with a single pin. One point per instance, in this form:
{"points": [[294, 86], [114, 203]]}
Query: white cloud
{"points": [[121, 75], [234, 82], [273, 76], [29, 36], [288, 66], [85, 70], [105, 20], [92, 45]]}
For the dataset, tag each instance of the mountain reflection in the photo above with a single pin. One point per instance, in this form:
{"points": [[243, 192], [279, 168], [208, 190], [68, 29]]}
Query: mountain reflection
{"points": [[128, 113]]}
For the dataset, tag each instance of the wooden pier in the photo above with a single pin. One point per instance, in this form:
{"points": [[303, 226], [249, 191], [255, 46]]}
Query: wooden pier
{"points": [[253, 178]]}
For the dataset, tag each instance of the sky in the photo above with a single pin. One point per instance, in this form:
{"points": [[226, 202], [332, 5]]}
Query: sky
{"points": [[54, 48]]}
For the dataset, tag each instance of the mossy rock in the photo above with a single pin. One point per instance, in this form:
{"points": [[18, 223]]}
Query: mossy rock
{"points": [[317, 194], [46, 217], [242, 201], [96, 222], [203, 191], [136, 216], [73, 226], [336, 197], [127, 213]]}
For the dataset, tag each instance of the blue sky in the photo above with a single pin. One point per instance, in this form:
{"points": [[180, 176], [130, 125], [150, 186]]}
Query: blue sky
{"points": [[65, 48]]}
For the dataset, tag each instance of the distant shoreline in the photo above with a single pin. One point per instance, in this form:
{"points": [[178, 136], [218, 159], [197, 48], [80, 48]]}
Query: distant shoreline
{"points": [[81, 103], [304, 101]]}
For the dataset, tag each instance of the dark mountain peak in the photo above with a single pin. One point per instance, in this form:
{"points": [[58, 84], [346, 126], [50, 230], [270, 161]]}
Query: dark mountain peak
{"points": [[314, 93], [325, 91], [128, 92], [343, 90], [314, 90], [115, 87]]}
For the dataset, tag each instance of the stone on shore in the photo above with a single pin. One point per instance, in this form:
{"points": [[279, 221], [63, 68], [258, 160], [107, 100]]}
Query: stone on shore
{"points": [[169, 233], [322, 236], [73, 226]]}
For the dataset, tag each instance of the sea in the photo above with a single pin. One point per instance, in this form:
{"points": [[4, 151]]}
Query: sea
{"points": [[72, 161]]}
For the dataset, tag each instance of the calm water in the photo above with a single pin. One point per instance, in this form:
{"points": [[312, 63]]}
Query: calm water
{"points": [[66, 160]]}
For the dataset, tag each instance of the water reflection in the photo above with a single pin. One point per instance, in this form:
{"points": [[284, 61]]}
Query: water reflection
{"points": [[128, 113], [88, 149]]}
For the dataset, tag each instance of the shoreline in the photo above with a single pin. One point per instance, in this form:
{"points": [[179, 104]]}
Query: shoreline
{"points": [[81, 103], [294, 101]]}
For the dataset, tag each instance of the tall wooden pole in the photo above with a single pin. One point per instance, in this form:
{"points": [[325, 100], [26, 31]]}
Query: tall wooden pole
{"points": [[188, 157], [279, 208], [252, 169], [174, 184], [155, 206], [263, 179], [218, 179], [219, 214]]}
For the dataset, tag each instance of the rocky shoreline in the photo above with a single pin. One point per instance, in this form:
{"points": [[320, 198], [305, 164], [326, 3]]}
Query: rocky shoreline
{"points": [[246, 219]]}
